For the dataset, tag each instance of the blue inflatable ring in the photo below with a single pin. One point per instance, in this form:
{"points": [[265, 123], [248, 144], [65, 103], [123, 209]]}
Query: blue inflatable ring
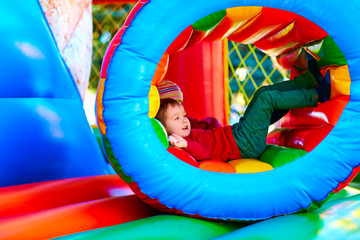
{"points": [[194, 192]]}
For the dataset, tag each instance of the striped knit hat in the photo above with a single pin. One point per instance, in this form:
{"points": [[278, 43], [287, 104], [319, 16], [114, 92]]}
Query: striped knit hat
{"points": [[168, 89]]}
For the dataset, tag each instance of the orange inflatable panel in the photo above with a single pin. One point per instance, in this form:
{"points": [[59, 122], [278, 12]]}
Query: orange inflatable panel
{"points": [[267, 22], [217, 166], [234, 19]]}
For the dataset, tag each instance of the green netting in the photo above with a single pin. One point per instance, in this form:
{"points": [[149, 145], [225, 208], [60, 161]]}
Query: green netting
{"points": [[249, 69], [107, 19]]}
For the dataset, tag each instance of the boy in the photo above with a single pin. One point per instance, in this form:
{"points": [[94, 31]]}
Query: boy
{"points": [[247, 138]]}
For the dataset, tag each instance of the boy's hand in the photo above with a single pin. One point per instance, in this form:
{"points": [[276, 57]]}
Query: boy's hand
{"points": [[177, 141]]}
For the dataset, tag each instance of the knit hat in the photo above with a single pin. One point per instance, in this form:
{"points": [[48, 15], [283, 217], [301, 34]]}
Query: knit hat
{"points": [[168, 89]]}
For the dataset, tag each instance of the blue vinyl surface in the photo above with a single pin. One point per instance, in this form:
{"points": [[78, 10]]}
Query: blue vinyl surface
{"points": [[44, 134]]}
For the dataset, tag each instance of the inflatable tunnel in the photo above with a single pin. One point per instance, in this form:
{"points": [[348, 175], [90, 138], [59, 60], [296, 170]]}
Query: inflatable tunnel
{"points": [[132, 65], [54, 180]]}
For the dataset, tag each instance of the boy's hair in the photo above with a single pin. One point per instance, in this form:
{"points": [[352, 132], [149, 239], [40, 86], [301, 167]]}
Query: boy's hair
{"points": [[164, 105]]}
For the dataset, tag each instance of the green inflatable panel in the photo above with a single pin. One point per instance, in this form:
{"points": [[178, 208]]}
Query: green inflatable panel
{"points": [[337, 219], [160, 132], [329, 53], [210, 21], [304, 226], [160, 227], [278, 156]]}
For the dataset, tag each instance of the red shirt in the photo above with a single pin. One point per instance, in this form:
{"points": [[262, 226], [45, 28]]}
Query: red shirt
{"points": [[214, 144], [205, 123]]}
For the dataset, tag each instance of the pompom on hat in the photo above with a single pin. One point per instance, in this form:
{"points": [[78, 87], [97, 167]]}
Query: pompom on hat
{"points": [[168, 89]]}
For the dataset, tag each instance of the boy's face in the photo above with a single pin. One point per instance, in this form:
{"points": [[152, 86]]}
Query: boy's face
{"points": [[177, 122]]}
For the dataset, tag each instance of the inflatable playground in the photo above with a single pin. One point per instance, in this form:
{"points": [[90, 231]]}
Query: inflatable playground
{"points": [[57, 182]]}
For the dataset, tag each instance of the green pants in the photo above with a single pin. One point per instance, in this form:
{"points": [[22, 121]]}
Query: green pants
{"points": [[251, 131]]}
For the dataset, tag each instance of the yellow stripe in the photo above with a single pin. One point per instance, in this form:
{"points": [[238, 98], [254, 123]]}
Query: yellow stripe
{"points": [[340, 80], [226, 82], [100, 106]]}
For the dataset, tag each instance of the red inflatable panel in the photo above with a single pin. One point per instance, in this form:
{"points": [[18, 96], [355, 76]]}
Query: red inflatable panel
{"points": [[196, 37], [325, 113], [33, 197], [110, 51], [181, 41], [305, 128], [183, 155], [293, 58], [199, 72], [306, 138], [74, 218], [355, 172]]}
